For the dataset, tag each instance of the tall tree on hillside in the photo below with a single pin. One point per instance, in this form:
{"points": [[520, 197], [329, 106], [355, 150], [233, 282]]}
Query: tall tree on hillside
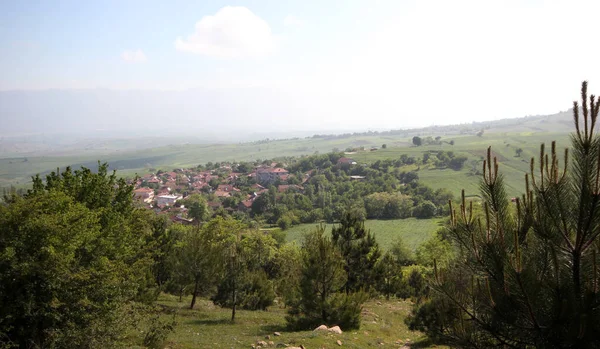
{"points": [[529, 274], [359, 250]]}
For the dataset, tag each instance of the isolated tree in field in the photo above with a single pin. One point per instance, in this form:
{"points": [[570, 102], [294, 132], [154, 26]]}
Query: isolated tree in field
{"points": [[416, 140], [518, 152], [359, 250], [528, 273]]}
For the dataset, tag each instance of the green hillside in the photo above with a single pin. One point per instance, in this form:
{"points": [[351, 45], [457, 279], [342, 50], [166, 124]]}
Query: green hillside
{"points": [[505, 136]]}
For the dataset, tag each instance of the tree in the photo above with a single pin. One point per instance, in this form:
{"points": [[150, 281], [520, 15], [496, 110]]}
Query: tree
{"points": [[202, 253], [528, 275], [322, 280], [416, 140], [518, 152], [288, 262], [389, 275], [435, 248], [245, 282], [359, 250], [73, 257], [197, 207], [426, 209], [456, 163], [402, 253], [384, 146]]}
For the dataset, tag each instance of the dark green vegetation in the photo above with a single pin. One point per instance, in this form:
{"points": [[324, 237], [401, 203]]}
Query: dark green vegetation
{"points": [[527, 272], [81, 265], [74, 261]]}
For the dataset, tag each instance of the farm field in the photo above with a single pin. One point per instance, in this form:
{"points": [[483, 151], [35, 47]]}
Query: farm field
{"points": [[208, 326], [505, 140], [412, 231]]}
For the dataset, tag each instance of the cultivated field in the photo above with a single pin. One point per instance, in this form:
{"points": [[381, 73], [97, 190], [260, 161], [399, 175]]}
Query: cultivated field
{"points": [[505, 137]]}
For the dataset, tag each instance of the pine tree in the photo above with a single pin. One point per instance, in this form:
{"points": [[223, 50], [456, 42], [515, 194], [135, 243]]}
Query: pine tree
{"points": [[527, 276], [359, 250]]}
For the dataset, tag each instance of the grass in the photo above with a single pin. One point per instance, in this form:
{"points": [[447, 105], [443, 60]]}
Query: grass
{"points": [[412, 231], [18, 170], [208, 326]]}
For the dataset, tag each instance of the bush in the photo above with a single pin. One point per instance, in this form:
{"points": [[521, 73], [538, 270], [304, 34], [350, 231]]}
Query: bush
{"points": [[158, 331], [345, 309], [426, 209], [254, 293], [284, 222]]}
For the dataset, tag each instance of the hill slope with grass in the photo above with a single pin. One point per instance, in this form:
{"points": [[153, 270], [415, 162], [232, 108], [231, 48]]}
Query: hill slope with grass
{"points": [[506, 136]]}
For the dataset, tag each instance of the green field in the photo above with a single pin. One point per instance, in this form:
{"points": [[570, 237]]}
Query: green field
{"points": [[208, 326], [505, 136], [412, 231]]}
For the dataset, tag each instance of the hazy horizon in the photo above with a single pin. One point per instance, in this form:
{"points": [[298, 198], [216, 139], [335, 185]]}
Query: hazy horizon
{"points": [[288, 67]]}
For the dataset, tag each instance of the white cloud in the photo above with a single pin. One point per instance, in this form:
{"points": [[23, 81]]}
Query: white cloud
{"points": [[133, 56], [233, 32], [292, 21]]}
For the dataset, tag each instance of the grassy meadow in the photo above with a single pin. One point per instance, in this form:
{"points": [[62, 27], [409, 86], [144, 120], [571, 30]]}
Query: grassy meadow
{"points": [[412, 231], [208, 326]]}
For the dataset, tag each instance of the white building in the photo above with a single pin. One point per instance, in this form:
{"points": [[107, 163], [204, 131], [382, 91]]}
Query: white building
{"points": [[167, 200]]}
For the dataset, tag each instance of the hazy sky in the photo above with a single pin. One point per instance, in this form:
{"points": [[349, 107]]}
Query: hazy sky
{"points": [[359, 63]]}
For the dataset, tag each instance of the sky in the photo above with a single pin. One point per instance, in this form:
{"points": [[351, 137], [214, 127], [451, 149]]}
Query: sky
{"points": [[347, 63]]}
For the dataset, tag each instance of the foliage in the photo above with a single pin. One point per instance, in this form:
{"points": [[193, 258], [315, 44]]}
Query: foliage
{"points": [[401, 254], [288, 262], [158, 331], [389, 275], [322, 279], [388, 206], [426, 209], [245, 282], [73, 257], [359, 250], [518, 152], [436, 248], [197, 207], [201, 254], [528, 273], [254, 291]]}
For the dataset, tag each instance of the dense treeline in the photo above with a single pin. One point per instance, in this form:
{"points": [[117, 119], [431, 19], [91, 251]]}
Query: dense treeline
{"points": [[381, 190]]}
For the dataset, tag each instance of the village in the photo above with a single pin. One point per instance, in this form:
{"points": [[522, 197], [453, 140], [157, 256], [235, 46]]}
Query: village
{"points": [[224, 188]]}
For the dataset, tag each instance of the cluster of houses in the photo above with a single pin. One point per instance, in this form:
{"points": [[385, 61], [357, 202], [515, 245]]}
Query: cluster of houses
{"points": [[162, 190]]}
